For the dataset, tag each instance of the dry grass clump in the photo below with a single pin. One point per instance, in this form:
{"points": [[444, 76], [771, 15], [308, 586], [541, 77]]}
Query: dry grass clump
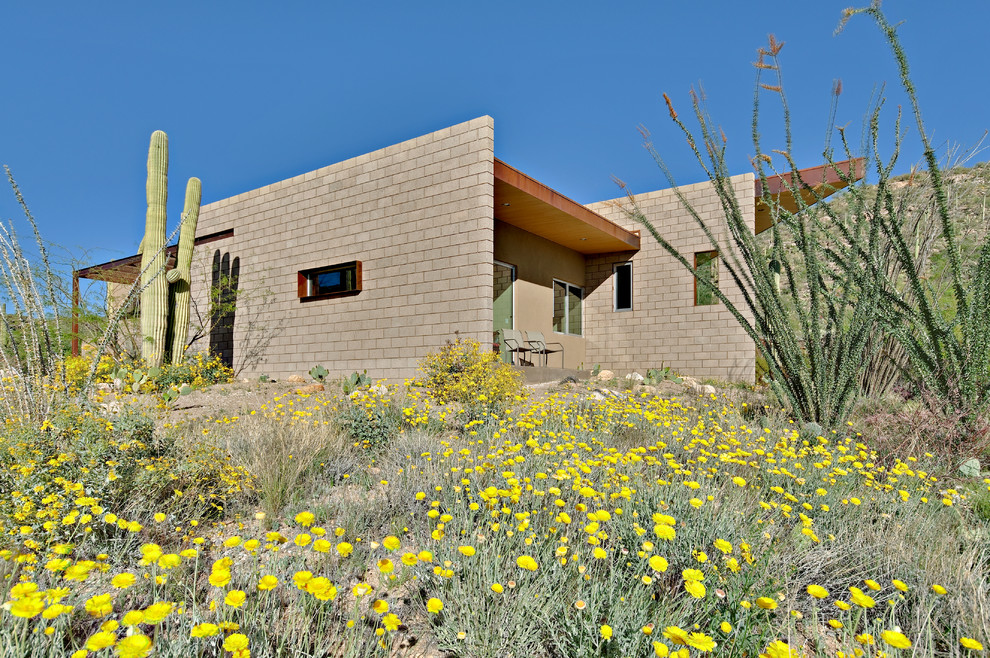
{"points": [[897, 426], [280, 451]]}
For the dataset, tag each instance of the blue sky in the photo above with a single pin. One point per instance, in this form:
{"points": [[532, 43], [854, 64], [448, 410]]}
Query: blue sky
{"points": [[255, 92]]}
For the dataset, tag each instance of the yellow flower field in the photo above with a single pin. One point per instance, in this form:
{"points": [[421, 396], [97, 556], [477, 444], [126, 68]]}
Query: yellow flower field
{"points": [[390, 524]]}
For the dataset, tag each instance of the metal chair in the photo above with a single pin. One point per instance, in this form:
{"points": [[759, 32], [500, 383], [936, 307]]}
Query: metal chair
{"points": [[513, 342], [538, 345]]}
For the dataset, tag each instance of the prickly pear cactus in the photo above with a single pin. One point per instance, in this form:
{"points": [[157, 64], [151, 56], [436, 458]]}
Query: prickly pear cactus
{"points": [[154, 295], [180, 277]]}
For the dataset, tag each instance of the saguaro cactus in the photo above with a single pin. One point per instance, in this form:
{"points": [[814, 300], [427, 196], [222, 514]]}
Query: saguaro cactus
{"points": [[159, 317], [180, 277], [154, 288]]}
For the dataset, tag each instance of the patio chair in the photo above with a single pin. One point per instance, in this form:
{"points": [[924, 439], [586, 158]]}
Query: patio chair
{"points": [[514, 344], [538, 345]]}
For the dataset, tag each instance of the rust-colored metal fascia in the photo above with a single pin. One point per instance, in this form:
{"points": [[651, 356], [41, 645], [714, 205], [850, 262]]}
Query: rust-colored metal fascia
{"points": [[820, 182], [826, 174], [551, 197]]}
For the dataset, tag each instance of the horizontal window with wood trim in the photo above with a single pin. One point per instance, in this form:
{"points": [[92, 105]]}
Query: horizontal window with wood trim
{"points": [[330, 281]]}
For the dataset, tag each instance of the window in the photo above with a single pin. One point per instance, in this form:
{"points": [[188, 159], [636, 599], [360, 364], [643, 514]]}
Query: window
{"points": [[623, 286], [332, 281], [567, 308], [502, 303], [706, 281]]}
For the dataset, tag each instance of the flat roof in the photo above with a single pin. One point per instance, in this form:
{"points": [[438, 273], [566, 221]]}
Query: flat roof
{"points": [[821, 181], [520, 200], [528, 204]]}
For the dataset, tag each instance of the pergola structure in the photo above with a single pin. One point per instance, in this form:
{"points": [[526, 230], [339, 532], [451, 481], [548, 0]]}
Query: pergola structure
{"points": [[124, 271]]}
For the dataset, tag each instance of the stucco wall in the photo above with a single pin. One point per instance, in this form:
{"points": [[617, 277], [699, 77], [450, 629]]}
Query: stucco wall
{"points": [[418, 215], [665, 327], [538, 262]]}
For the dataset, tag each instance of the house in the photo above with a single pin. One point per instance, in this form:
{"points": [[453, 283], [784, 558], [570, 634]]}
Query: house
{"points": [[373, 262]]}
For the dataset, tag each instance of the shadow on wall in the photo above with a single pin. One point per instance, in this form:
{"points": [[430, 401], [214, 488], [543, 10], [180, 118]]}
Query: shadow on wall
{"points": [[223, 298]]}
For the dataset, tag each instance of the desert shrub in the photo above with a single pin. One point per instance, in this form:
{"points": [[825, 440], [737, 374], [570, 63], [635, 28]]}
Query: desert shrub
{"points": [[77, 369], [922, 425], [78, 455], [461, 371], [371, 419], [197, 370]]}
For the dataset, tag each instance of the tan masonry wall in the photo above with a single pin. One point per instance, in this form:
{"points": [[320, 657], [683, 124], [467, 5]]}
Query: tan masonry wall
{"points": [[419, 217], [538, 262], [665, 327]]}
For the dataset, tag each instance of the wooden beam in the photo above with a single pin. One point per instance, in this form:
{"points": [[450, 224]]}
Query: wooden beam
{"points": [[126, 270], [827, 174]]}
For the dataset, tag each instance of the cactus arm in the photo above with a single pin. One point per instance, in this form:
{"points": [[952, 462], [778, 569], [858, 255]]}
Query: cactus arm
{"points": [[154, 295], [181, 276]]}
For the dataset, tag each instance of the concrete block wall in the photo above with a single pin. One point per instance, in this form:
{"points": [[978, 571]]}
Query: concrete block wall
{"points": [[665, 327], [418, 215]]}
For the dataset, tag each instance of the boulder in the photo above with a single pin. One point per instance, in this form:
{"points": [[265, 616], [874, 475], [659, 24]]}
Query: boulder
{"points": [[701, 389], [296, 379], [635, 377], [605, 376], [971, 468], [309, 390]]}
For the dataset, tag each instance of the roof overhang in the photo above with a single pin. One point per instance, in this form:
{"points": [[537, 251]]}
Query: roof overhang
{"points": [[528, 204], [817, 183], [127, 270]]}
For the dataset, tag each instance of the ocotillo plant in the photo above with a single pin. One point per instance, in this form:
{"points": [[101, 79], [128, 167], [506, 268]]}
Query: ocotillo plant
{"points": [[155, 312], [812, 333], [180, 277]]}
